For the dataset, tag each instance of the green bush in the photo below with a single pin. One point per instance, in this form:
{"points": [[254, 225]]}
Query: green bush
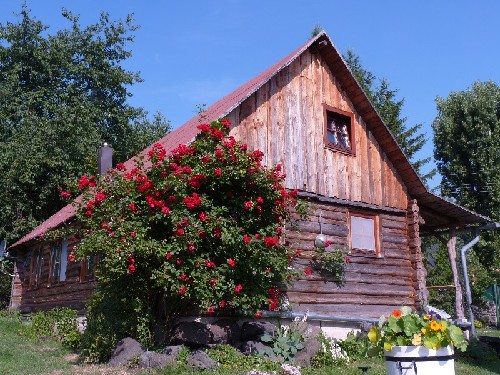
{"points": [[232, 360], [60, 324]]}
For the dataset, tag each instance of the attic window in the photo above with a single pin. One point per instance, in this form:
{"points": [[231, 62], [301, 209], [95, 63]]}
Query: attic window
{"points": [[339, 130]]}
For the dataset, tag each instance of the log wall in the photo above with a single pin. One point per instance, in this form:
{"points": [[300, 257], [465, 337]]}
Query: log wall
{"points": [[374, 285], [284, 119], [72, 292]]}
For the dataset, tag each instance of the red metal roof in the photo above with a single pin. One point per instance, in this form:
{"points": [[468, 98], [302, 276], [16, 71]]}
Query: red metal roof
{"points": [[323, 45]]}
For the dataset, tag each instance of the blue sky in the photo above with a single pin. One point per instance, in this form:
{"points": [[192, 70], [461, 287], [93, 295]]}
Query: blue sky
{"points": [[195, 52]]}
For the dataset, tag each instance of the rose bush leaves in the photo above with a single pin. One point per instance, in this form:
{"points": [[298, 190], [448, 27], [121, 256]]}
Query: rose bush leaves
{"points": [[200, 226]]}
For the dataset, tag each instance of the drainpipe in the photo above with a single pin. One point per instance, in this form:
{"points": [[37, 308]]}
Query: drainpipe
{"points": [[463, 250]]}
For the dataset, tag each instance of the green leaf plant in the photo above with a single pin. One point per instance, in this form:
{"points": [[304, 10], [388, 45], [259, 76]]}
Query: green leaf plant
{"points": [[404, 327]]}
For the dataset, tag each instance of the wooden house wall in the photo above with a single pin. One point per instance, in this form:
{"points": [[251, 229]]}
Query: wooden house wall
{"points": [[284, 119], [45, 295], [374, 285]]}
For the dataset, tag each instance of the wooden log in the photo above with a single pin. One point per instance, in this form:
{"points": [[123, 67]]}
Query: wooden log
{"points": [[305, 298], [368, 289]]}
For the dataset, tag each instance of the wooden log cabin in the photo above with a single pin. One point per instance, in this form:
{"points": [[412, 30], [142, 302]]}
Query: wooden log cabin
{"points": [[308, 113]]}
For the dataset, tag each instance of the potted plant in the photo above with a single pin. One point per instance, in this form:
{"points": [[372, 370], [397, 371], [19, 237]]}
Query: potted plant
{"points": [[415, 343]]}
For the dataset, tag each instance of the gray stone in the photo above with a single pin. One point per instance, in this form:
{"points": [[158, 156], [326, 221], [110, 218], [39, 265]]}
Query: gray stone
{"points": [[126, 350], [225, 331], [173, 350], [252, 347], [192, 334], [200, 360], [253, 331], [155, 360], [311, 347]]}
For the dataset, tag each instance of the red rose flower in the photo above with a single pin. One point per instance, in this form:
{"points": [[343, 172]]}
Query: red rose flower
{"points": [[217, 172], [270, 242], [347, 260], [209, 263], [182, 290], [258, 314], [217, 232], [231, 262], [192, 201], [328, 243], [203, 216], [247, 239], [169, 255], [248, 205], [213, 281], [237, 289], [210, 310], [222, 303], [260, 200], [179, 232], [65, 195], [131, 269], [120, 166], [308, 271]]}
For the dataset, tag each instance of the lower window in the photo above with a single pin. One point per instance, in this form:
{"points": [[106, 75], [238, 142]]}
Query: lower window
{"points": [[364, 232]]}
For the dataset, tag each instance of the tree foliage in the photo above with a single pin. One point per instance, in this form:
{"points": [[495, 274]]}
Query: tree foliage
{"points": [[466, 148], [389, 107], [62, 95]]}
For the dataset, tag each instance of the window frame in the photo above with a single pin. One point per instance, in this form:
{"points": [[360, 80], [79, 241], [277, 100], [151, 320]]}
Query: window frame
{"points": [[377, 252], [36, 267], [349, 118]]}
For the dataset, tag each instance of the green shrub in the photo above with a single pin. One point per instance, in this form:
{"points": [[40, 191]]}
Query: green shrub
{"points": [[59, 324], [231, 359]]}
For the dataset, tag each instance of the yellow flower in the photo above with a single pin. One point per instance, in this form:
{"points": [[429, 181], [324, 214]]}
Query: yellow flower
{"points": [[417, 339], [442, 327], [435, 326], [427, 317]]}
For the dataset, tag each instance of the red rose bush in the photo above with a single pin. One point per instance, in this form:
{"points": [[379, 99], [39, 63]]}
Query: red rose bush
{"points": [[199, 226]]}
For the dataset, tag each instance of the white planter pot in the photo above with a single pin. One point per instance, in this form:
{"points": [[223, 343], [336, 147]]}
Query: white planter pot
{"points": [[418, 360]]}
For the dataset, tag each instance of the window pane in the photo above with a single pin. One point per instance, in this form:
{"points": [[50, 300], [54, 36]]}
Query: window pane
{"points": [[362, 233], [64, 260]]}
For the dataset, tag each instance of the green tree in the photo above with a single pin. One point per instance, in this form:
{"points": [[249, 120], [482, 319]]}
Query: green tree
{"points": [[385, 101], [466, 148], [62, 95]]}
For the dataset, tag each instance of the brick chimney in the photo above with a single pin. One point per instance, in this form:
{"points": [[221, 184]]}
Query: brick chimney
{"points": [[105, 159]]}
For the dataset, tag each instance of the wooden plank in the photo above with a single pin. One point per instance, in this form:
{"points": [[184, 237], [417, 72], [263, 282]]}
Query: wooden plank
{"points": [[305, 298], [368, 289]]}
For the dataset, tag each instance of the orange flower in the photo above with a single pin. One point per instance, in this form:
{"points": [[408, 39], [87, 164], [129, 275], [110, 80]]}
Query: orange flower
{"points": [[435, 326], [397, 313]]}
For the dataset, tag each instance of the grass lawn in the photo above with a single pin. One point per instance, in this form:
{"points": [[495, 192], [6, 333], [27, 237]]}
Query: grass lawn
{"points": [[20, 355]]}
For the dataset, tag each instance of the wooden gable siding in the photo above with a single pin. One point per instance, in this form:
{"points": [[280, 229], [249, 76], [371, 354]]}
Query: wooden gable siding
{"points": [[284, 119], [373, 286]]}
